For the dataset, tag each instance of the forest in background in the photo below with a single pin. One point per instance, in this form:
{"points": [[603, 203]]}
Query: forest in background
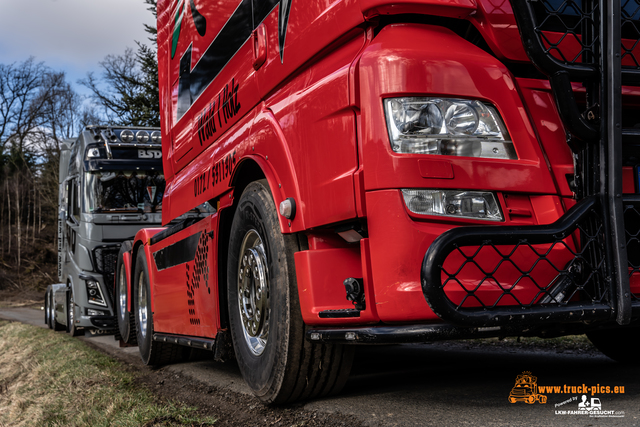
{"points": [[39, 109]]}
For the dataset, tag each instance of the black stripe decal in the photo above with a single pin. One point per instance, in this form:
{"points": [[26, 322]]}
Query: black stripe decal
{"points": [[237, 30], [178, 253], [199, 20]]}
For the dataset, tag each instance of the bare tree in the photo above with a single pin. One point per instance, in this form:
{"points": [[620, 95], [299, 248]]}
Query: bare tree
{"points": [[38, 110], [25, 90], [8, 214], [18, 223]]}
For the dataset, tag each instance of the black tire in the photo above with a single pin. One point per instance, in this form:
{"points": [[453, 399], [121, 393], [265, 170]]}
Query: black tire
{"points": [[126, 319], [51, 308], [284, 367], [151, 352], [56, 326], [47, 313], [622, 344], [72, 329]]}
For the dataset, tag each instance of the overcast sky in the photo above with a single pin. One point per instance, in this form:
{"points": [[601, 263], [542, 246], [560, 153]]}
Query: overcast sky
{"points": [[70, 35]]}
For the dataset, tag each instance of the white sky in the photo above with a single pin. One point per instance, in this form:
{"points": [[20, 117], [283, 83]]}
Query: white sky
{"points": [[70, 35]]}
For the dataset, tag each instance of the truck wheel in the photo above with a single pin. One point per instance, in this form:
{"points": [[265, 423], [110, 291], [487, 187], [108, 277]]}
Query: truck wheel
{"points": [[72, 329], [267, 330], [56, 326], [47, 313], [126, 319], [151, 352], [622, 344]]}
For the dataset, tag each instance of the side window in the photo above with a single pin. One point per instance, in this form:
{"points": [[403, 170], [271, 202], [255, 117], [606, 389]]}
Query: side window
{"points": [[67, 198], [73, 201], [76, 201]]}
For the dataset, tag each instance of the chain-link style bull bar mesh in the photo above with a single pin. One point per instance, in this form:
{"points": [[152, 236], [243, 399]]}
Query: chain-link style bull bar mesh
{"points": [[492, 276], [577, 268]]}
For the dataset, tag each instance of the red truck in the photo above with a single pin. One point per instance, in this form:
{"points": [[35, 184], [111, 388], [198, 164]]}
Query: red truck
{"points": [[375, 171]]}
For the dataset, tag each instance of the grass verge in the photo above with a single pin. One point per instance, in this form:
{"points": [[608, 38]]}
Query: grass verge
{"points": [[51, 379]]}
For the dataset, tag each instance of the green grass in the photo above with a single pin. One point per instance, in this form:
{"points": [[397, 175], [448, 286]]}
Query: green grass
{"points": [[51, 379]]}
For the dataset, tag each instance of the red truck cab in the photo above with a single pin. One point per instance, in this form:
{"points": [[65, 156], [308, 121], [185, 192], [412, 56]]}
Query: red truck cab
{"points": [[379, 172]]}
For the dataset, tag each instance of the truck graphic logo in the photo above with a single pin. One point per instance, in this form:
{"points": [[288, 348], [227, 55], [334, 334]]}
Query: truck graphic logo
{"points": [[526, 390], [592, 405], [233, 35]]}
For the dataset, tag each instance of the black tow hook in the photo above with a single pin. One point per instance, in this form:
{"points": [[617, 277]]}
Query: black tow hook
{"points": [[355, 292]]}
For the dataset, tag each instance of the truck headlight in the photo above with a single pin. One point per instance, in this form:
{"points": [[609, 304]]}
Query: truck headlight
{"points": [[94, 293], [455, 203], [126, 135], [447, 126]]}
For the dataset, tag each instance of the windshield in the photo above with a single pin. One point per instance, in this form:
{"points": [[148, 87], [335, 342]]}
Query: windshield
{"points": [[123, 191]]}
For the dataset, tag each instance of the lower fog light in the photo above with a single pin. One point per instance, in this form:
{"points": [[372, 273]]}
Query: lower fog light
{"points": [[92, 312], [455, 203]]}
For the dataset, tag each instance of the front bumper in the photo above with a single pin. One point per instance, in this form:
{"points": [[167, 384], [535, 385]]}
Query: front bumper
{"points": [[104, 322]]}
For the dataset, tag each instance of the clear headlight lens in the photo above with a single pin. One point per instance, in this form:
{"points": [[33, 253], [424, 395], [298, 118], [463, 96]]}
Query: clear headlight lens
{"points": [[126, 135], [93, 153], [455, 203], [94, 293], [453, 127], [156, 137], [142, 136]]}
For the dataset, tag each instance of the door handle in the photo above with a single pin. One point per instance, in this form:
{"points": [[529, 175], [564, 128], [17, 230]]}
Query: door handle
{"points": [[259, 37]]}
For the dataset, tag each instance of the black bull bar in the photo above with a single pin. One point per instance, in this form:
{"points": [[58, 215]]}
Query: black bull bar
{"points": [[581, 290], [599, 235]]}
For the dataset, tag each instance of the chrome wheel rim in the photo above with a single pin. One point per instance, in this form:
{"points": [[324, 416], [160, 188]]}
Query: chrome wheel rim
{"points": [[71, 312], [51, 309], [122, 294], [143, 311], [253, 292]]}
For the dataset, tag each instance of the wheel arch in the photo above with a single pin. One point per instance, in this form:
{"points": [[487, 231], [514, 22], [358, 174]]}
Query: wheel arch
{"points": [[249, 169], [267, 149]]}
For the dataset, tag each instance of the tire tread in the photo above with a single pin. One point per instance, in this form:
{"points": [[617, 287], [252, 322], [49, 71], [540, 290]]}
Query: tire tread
{"points": [[310, 370]]}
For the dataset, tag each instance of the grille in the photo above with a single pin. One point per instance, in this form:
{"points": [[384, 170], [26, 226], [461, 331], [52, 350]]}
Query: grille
{"points": [[630, 33], [106, 258], [561, 25], [568, 30]]}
